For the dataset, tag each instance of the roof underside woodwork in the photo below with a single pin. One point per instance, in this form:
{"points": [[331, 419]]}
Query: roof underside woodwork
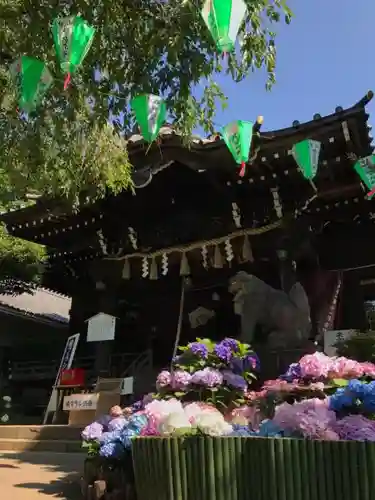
{"points": [[189, 191]]}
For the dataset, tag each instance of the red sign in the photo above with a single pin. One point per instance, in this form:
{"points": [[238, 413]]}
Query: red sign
{"points": [[73, 376]]}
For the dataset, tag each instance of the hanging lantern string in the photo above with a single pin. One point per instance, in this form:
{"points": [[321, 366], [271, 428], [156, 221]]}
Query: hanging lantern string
{"points": [[67, 81]]}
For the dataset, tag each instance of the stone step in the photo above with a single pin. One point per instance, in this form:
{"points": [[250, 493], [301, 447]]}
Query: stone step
{"points": [[41, 432], [53, 446]]}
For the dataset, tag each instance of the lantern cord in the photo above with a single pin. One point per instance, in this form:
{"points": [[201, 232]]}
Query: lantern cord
{"points": [[243, 168], [67, 81]]}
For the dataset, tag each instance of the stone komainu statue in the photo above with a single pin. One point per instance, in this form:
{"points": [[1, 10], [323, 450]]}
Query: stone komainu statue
{"points": [[284, 318]]}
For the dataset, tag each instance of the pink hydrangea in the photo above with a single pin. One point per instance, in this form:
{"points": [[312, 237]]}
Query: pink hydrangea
{"points": [[345, 368], [246, 415], [315, 365], [311, 417], [180, 379], [368, 369], [164, 379], [160, 409]]}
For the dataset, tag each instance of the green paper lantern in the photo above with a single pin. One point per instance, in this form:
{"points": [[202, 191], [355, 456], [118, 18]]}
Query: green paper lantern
{"points": [[33, 79], [223, 19], [238, 136], [73, 37], [365, 168], [150, 112], [306, 154]]}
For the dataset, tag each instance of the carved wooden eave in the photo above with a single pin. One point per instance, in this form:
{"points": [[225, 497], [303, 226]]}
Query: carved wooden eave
{"points": [[188, 192]]}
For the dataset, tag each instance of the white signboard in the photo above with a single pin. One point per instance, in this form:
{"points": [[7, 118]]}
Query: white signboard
{"points": [[76, 402], [65, 364], [331, 337], [101, 327], [127, 386]]}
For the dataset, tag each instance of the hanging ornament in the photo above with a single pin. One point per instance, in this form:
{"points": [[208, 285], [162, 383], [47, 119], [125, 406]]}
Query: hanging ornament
{"points": [[153, 270], [145, 267], [33, 79], [306, 155], [237, 136], [133, 237], [73, 37], [150, 111], [247, 251], [223, 19], [218, 258], [164, 264], [236, 214], [229, 255], [126, 270], [102, 243], [204, 253], [277, 202], [365, 168], [184, 266]]}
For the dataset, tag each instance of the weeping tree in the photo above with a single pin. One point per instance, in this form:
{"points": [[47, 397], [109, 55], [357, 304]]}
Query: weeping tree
{"points": [[67, 147]]}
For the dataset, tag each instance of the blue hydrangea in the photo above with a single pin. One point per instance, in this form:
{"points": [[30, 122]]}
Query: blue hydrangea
{"points": [[293, 373], [112, 450]]}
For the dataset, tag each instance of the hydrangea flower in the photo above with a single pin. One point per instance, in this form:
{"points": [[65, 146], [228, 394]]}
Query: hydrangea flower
{"points": [[209, 377], [199, 349], [223, 352], [235, 381], [117, 424], [315, 365], [231, 343], [180, 379], [112, 450], [164, 379], [92, 432], [294, 372]]}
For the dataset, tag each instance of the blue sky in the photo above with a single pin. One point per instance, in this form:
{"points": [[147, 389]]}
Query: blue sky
{"points": [[325, 59]]}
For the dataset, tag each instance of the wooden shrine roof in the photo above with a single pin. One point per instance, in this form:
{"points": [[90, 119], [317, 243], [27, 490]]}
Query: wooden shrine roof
{"points": [[185, 194]]}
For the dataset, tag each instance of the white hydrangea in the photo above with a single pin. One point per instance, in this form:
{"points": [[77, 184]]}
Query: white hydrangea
{"points": [[174, 423], [4, 419], [213, 424], [8, 399]]}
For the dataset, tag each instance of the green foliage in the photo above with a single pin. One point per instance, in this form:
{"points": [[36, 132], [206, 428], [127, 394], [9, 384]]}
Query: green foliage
{"points": [[360, 347], [159, 47], [21, 263]]}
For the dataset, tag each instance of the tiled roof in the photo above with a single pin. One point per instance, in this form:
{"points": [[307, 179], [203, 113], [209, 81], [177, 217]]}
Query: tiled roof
{"points": [[42, 304]]}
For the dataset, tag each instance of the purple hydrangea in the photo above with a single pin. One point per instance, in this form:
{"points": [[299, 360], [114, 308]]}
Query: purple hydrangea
{"points": [[164, 379], [180, 379], [223, 352], [249, 363], [293, 373], [231, 343], [92, 432], [117, 423], [208, 377], [199, 349], [235, 381]]}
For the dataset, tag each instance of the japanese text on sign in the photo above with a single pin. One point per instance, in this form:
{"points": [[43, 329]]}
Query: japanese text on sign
{"points": [[80, 402]]}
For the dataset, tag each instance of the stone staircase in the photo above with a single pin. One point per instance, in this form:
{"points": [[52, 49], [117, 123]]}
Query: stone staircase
{"points": [[47, 438]]}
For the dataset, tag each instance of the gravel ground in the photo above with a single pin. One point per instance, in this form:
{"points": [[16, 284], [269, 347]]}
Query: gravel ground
{"points": [[37, 475]]}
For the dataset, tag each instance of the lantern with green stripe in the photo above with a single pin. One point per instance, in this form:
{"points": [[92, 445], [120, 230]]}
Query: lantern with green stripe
{"points": [[306, 154], [73, 37], [238, 136], [150, 112], [365, 168], [223, 18], [33, 79]]}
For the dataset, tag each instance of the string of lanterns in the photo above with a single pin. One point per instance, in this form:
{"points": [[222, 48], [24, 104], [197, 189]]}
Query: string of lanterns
{"points": [[73, 37]]}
